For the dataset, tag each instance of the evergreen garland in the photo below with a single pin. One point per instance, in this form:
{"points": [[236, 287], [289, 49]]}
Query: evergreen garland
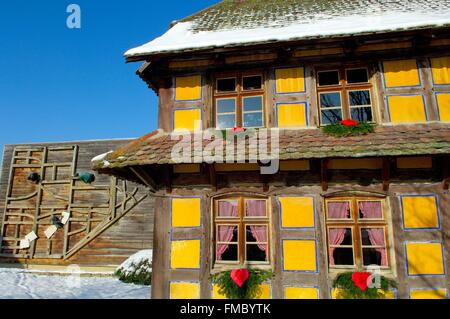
{"points": [[250, 289], [348, 289], [341, 130]]}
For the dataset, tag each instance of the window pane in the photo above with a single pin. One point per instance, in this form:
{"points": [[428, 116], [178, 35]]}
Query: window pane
{"points": [[226, 85], [252, 82], [331, 116], [332, 99], [255, 208], [226, 121], [256, 252], [362, 114], [253, 119], [226, 106], [227, 234], [328, 78], [253, 103], [227, 252], [256, 233], [338, 210], [361, 97], [372, 237], [342, 256], [228, 208], [340, 236], [373, 256], [370, 210], [357, 76]]}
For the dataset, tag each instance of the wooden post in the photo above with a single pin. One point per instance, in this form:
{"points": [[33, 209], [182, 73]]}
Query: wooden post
{"points": [[212, 176], [445, 172], [323, 174], [386, 173]]}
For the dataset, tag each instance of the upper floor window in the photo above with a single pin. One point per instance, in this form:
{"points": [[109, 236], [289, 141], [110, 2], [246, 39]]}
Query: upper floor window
{"points": [[356, 232], [242, 231], [239, 100], [344, 93]]}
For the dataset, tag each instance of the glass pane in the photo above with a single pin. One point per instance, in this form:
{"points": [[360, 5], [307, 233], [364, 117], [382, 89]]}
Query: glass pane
{"points": [[331, 116], [226, 85], [342, 256], [373, 256], [227, 252], [256, 233], [357, 76], [226, 106], [361, 97], [253, 119], [362, 114], [255, 208], [338, 210], [256, 252], [340, 236], [253, 103], [226, 121], [372, 237], [227, 234], [332, 99], [328, 78], [252, 82], [370, 210], [228, 208]]}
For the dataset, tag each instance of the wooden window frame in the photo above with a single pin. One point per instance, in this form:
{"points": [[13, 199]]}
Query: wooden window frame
{"points": [[356, 224], [241, 221], [344, 88], [239, 95]]}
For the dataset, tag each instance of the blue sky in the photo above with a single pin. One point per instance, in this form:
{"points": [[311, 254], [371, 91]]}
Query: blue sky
{"points": [[61, 84]]}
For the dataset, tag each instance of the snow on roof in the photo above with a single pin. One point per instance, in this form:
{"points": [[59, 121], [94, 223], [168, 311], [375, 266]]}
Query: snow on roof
{"points": [[235, 23]]}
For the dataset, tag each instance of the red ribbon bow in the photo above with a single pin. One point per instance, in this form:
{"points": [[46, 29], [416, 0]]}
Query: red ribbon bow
{"points": [[239, 276], [360, 280], [237, 129], [349, 122]]}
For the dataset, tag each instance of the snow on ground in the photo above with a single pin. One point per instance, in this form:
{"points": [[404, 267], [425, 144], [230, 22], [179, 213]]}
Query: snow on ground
{"points": [[21, 284]]}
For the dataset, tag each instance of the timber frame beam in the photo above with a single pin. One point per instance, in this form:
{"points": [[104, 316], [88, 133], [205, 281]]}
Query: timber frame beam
{"points": [[144, 177]]}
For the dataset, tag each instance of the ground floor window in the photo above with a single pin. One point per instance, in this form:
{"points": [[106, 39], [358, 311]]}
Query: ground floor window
{"points": [[241, 230], [356, 232]]}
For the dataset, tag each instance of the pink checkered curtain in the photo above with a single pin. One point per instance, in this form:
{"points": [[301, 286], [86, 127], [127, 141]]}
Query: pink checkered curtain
{"points": [[370, 209], [228, 209], [225, 235], [376, 237], [336, 237], [260, 233], [255, 208], [338, 210]]}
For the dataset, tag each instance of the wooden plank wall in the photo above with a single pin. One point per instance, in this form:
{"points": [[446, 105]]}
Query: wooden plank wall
{"points": [[130, 234]]}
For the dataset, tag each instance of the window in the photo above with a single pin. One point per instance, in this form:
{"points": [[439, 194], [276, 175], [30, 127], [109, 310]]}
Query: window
{"points": [[239, 101], [344, 93], [242, 231], [356, 232]]}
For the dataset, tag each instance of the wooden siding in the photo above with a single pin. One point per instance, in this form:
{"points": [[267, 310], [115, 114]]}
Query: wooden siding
{"points": [[122, 235]]}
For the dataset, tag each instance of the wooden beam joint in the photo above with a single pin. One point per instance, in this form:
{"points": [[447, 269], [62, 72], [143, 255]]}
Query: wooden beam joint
{"points": [[144, 177]]}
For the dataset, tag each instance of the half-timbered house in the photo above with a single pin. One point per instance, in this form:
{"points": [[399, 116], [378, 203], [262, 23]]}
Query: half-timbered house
{"points": [[310, 205]]}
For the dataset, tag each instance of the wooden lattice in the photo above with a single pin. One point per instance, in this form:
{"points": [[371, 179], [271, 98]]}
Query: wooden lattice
{"points": [[31, 206]]}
